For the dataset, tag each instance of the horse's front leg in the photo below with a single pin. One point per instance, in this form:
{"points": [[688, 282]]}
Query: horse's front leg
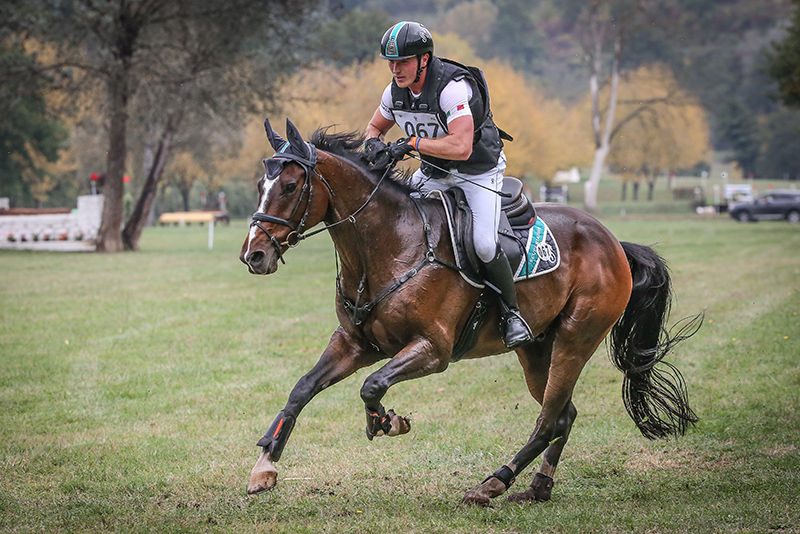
{"points": [[419, 358], [341, 358]]}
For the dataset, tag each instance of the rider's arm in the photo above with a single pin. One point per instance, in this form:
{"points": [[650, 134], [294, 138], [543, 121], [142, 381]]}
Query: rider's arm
{"points": [[383, 118], [378, 125], [456, 145]]}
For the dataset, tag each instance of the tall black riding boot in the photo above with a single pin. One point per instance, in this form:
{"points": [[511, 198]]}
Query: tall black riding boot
{"points": [[498, 273]]}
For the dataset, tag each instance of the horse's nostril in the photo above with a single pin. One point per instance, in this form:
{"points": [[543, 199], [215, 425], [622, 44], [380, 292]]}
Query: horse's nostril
{"points": [[255, 258]]}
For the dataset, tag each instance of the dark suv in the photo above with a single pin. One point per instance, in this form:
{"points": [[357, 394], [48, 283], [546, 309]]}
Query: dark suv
{"points": [[773, 205]]}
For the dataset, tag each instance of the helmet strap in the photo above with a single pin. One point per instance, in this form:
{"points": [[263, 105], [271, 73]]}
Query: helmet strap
{"points": [[420, 68]]}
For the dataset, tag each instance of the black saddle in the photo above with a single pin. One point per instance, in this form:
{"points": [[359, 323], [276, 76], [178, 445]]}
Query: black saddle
{"points": [[516, 219]]}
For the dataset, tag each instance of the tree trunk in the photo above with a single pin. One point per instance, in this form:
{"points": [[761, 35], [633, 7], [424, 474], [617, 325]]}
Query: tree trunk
{"points": [[591, 187], [133, 229], [109, 236], [602, 137], [185, 193]]}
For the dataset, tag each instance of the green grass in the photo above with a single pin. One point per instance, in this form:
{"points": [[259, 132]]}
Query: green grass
{"points": [[133, 388]]}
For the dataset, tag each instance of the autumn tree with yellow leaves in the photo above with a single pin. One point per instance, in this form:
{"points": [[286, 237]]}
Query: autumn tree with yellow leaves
{"points": [[663, 128]]}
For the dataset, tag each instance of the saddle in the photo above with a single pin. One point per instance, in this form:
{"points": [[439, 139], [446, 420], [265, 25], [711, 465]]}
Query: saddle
{"points": [[525, 238]]}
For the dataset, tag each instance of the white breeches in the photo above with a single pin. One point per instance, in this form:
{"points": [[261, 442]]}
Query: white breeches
{"points": [[484, 203]]}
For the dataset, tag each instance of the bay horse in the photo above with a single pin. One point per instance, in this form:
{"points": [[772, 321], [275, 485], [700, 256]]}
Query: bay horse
{"points": [[400, 299]]}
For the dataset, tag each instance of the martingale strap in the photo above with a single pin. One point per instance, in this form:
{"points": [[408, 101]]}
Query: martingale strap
{"points": [[359, 313]]}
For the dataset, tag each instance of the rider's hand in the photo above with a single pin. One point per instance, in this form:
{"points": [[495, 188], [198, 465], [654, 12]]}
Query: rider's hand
{"points": [[400, 148], [373, 148]]}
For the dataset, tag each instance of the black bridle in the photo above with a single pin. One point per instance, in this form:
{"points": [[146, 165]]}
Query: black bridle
{"points": [[274, 166], [355, 309]]}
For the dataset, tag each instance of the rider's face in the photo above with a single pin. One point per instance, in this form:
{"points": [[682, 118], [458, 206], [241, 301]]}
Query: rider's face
{"points": [[405, 70]]}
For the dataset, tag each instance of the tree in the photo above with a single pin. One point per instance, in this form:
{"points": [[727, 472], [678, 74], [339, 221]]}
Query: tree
{"points": [[739, 127], [472, 21], [547, 136], [352, 36], [30, 137], [603, 29], [781, 155], [604, 25], [515, 36], [182, 172], [171, 53], [669, 133], [784, 62]]}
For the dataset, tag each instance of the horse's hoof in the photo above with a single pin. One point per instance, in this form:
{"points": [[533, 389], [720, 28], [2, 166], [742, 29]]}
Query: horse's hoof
{"points": [[264, 476], [483, 494], [540, 490], [526, 497], [475, 496], [400, 425]]}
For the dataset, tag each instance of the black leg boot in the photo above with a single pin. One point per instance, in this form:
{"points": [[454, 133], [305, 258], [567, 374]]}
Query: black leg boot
{"points": [[498, 273]]}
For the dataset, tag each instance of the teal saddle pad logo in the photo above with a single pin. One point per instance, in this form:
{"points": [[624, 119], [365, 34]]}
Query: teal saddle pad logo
{"points": [[542, 253]]}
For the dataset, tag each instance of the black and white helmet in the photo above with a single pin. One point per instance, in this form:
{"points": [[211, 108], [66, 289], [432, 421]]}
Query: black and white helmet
{"points": [[406, 39]]}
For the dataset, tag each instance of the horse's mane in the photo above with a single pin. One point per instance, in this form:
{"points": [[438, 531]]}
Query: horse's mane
{"points": [[347, 145]]}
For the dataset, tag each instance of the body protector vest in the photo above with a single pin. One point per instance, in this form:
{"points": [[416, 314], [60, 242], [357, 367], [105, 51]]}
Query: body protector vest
{"points": [[424, 118]]}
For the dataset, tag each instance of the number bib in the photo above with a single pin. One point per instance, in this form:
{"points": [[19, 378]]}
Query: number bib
{"points": [[420, 123]]}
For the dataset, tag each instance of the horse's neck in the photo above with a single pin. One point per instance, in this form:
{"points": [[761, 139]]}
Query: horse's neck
{"points": [[374, 240]]}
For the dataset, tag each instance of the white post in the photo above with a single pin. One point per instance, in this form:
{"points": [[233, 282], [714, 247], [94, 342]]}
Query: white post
{"points": [[211, 234]]}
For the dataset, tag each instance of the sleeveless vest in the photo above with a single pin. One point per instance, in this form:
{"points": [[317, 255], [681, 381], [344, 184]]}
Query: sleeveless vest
{"points": [[423, 117]]}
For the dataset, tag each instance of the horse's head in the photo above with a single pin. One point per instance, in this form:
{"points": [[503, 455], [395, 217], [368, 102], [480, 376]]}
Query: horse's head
{"points": [[287, 203]]}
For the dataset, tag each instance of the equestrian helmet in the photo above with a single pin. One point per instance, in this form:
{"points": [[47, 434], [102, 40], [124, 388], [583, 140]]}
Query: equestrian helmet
{"points": [[405, 40]]}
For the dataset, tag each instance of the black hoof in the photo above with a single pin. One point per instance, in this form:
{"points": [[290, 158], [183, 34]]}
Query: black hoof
{"points": [[540, 490]]}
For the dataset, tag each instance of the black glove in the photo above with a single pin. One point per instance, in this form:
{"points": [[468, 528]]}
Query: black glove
{"points": [[373, 148], [400, 148]]}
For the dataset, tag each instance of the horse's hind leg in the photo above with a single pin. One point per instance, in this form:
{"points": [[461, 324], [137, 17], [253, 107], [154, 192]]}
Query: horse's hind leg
{"points": [[542, 484], [551, 382]]}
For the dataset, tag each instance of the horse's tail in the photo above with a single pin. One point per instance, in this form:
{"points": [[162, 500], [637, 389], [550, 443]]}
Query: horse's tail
{"points": [[654, 391]]}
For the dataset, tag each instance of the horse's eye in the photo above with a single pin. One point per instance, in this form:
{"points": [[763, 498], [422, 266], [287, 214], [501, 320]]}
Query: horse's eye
{"points": [[289, 188]]}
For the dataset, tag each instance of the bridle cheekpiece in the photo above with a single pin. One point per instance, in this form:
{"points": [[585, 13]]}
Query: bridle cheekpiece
{"points": [[305, 155]]}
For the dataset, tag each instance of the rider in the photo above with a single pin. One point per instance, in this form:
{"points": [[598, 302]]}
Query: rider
{"points": [[440, 107]]}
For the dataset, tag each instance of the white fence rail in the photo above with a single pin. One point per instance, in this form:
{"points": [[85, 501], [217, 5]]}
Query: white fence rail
{"points": [[75, 231]]}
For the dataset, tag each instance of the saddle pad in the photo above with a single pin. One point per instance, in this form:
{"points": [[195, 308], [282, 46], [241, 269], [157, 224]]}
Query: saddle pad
{"points": [[542, 253]]}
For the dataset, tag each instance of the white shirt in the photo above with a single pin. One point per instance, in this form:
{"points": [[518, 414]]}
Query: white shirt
{"points": [[454, 100]]}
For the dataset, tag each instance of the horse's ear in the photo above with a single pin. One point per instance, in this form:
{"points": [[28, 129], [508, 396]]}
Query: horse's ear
{"points": [[275, 140], [295, 139]]}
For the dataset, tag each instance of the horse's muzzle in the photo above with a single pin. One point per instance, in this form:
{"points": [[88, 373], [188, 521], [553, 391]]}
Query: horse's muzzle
{"points": [[258, 263]]}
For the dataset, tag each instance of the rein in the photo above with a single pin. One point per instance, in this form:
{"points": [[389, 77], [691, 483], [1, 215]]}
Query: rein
{"points": [[460, 177], [357, 312], [296, 234]]}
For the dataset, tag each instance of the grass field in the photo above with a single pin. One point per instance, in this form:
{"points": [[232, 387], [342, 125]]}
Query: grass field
{"points": [[133, 388]]}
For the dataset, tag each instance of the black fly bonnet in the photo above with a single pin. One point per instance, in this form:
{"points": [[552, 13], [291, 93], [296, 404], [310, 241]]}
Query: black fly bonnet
{"points": [[305, 155]]}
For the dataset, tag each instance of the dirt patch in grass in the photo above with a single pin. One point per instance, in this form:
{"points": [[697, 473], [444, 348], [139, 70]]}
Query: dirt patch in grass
{"points": [[779, 451], [679, 461]]}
